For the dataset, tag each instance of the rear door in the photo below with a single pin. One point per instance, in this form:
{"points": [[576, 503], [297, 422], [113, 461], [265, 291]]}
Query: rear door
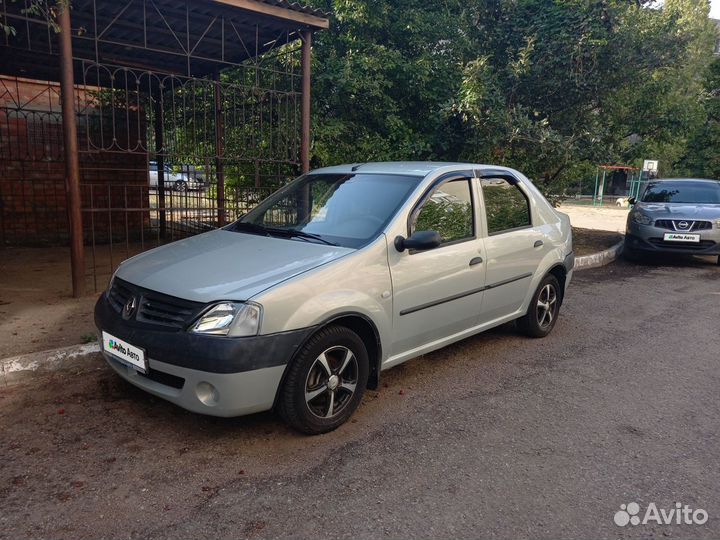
{"points": [[514, 247], [438, 292]]}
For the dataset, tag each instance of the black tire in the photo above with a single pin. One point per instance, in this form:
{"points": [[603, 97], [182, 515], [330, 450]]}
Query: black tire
{"points": [[630, 255], [180, 185], [333, 401], [538, 322]]}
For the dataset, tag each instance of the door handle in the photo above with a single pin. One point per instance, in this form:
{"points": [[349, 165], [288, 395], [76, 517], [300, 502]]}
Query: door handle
{"points": [[538, 243], [475, 260]]}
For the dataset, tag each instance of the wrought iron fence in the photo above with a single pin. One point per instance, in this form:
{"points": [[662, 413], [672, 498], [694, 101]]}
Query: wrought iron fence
{"points": [[188, 134]]}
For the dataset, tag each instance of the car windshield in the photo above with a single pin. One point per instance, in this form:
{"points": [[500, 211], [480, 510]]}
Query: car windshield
{"points": [[348, 210], [682, 192]]}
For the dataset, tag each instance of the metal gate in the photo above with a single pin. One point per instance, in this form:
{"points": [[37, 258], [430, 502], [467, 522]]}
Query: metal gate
{"points": [[187, 115]]}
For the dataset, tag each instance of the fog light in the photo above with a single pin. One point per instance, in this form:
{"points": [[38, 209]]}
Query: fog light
{"points": [[207, 394]]}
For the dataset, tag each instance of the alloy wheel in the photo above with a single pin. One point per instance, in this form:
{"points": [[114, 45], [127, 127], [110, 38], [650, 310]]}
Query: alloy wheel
{"points": [[331, 382], [546, 305]]}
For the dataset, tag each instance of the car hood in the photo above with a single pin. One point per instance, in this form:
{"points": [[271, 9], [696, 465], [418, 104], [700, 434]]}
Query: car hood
{"points": [[224, 265], [681, 211]]}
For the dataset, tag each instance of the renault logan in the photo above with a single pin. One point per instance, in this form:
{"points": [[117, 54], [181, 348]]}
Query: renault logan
{"points": [[345, 272]]}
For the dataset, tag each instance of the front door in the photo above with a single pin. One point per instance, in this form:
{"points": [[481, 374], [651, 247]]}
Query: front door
{"points": [[438, 292]]}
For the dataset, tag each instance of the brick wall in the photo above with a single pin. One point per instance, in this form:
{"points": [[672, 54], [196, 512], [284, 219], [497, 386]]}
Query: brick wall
{"points": [[33, 207]]}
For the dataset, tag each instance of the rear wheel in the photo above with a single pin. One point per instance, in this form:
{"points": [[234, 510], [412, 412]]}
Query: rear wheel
{"points": [[326, 381], [543, 310]]}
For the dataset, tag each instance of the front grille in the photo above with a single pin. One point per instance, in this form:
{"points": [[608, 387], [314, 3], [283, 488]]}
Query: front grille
{"points": [[160, 311], [690, 246], [119, 294], [153, 308], [672, 225]]}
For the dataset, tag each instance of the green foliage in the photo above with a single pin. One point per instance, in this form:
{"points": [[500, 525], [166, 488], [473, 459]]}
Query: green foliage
{"points": [[382, 76], [506, 208], [88, 338], [550, 87], [453, 220], [702, 158]]}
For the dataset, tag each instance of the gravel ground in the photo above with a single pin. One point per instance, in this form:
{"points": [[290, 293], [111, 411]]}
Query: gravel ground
{"points": [[604, 218], [498, 436]]}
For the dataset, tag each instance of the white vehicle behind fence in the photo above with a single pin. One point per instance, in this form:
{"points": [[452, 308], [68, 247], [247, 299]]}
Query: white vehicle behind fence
{"points": [[189, 179]]}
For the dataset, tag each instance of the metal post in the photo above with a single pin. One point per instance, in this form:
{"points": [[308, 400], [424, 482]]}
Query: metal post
{"points": [[72, 162], [601, 188], [219, 151], [597, 176], [305, 129], [160, 161]]}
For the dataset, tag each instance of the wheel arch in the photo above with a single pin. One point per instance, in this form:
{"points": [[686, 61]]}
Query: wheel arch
{"points": [[364, 327], [560, 273]]}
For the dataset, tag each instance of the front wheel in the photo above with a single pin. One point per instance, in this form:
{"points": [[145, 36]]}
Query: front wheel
{"points": [[325, 382], [542, 313], [630, 255]]}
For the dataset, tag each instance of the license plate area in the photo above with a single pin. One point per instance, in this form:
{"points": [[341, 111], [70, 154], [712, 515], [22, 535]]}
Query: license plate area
{"points": [[682, 237], [125, 352]]}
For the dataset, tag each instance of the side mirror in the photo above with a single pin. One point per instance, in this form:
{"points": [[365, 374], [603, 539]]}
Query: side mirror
{"points": [[631, 201], [420, 240]]}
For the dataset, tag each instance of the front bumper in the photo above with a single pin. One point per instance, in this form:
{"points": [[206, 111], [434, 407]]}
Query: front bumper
{"points": [[232, 394], [649, 239], [212, 375]]}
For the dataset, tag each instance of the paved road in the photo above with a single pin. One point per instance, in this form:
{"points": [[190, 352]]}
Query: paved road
{"points": [[497, 437]]}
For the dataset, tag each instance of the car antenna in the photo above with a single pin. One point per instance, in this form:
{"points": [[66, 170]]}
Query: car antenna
{"points": [[356, 167]]}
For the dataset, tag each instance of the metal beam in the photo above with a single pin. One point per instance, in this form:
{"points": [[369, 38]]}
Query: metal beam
{"points": [[305, 109], [278, 12], [72, 162]]}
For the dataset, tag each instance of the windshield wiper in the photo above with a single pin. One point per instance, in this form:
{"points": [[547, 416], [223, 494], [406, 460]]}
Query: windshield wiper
{"points": [[250, 227], [289, 233], [285, 233]]}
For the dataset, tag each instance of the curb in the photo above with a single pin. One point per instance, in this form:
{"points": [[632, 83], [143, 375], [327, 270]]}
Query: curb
{"points": [[601, 258], [15, 368]]}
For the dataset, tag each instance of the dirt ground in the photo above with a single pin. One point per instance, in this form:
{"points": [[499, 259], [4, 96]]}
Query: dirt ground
{"points": [[37, 311], [587, 241], [604, 218]]}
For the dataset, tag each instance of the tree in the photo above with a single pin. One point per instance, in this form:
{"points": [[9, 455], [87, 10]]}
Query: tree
{"points": [[382, 76], [703, 155], [550, 87]]}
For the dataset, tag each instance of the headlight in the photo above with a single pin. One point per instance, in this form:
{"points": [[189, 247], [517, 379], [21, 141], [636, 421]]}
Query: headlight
{"points": [[641, 218], [231, 319], [717, 223]]}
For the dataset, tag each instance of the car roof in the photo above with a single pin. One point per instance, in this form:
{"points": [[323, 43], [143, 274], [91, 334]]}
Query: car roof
{"points": [[414, 168], [688, 180]]}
